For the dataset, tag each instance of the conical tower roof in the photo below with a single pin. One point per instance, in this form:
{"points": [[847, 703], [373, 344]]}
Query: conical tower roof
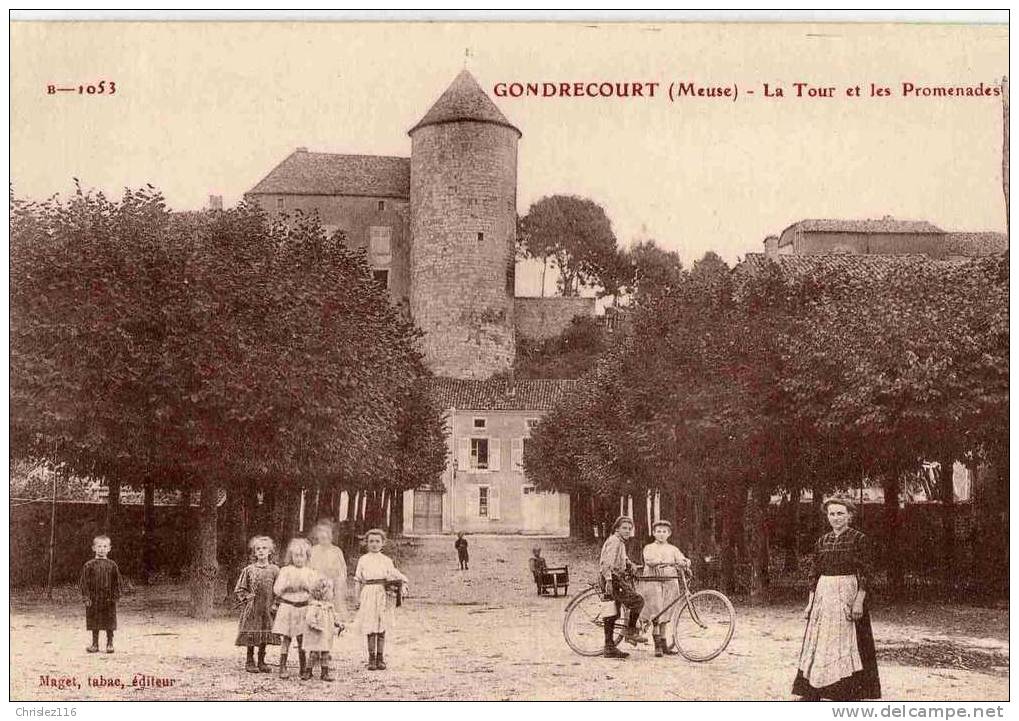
{"points": [[464, 100]]}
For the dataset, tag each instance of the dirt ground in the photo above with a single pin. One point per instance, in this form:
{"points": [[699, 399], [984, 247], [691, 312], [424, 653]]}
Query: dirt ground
{"points": [[484, 634]]}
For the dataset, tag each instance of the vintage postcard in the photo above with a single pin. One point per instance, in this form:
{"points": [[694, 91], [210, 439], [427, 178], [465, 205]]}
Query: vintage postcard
{"points": [[493, 360]]}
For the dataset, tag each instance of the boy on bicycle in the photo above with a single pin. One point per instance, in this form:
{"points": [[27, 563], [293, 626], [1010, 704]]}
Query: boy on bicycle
{"points": [[617, 572]]}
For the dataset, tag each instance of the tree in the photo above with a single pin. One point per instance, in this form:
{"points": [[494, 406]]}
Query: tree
{"points": [[784, 376], [644, 270], [575, 234], [211, 349]]}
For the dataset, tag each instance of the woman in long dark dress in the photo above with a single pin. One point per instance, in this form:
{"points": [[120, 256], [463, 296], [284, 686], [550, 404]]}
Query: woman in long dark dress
{"points": [[837, 658]]}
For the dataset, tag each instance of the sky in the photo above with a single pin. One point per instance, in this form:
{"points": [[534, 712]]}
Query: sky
{"points": [[210, 108]]}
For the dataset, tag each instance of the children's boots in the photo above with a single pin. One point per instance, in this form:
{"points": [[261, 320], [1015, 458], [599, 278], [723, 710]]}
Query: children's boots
{"points": [[249, 663], [262, 667], [283, 665], [302, 658], [380, 644], [372, 658], [327, 673]]}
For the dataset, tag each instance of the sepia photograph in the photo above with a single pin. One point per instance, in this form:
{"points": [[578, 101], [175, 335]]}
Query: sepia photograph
{"points": [[425, 359]]}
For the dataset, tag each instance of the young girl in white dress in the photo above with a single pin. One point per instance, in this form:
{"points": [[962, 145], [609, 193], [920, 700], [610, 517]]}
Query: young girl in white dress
{"points": [[327, 559], [375, 613], [293, 589], [661, 558]]}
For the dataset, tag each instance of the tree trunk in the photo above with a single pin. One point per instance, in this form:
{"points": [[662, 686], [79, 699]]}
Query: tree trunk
{"points": [[893, 556], [113, 509], [277, 516], [186, 543], [149, 533], [757, 505], [235, 557], [792, 520], [252, 524], [396, 513], [640, 525], [293, 517], [732, 508], [947, 554], [205, 569]]}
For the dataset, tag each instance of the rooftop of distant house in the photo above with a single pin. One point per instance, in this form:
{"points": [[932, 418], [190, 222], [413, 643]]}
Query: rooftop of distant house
{"points": [[499, 394], [887, 224], [306, 173]]}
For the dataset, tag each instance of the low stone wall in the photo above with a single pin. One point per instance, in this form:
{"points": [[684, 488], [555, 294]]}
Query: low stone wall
{"points": [[540, 318]]}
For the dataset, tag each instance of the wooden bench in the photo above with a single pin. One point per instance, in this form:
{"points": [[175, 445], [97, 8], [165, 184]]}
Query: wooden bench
{"points": [[553, 579]]}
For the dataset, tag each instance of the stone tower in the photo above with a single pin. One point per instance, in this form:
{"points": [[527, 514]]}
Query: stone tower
{"points": [[463, 211]]}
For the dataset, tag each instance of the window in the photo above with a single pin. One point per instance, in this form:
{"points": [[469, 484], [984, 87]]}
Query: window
{"points": [[531, 423], [481, 237], [483, 501], [279, 204], [381, 277], [479, 453], [379, 244], [382, 205], [479, 422], [517, 449]]}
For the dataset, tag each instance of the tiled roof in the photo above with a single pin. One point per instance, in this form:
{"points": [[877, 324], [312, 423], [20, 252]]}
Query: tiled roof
{"points": [[464, 100], [862, 266], [975, 245], [881, 225], [304, 173], [495, 394]]}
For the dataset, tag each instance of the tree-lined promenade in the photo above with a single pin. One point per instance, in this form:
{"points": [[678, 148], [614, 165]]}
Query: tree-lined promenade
{"points": [[210, 352], [808, 373]]}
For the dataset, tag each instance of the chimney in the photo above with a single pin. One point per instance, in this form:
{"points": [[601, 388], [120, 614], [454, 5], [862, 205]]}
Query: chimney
{"points": [[771, 245], [511, 383], [215, 202], [302, 149]]}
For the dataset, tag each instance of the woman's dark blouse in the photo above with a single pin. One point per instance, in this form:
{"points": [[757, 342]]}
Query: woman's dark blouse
{"points": [[847, 554]]}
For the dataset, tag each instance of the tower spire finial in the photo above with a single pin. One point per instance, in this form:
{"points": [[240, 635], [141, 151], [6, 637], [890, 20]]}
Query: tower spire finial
{"points": [[467, 56]]}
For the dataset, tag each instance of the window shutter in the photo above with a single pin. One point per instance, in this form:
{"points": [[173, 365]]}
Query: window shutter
{"points": [[494, 454], [473, 502], [464, 454], [493, 502], [518, 454]]}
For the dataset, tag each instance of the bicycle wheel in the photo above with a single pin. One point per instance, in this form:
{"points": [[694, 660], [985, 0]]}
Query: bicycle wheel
{"points": [[704, 625], [584, 625]]}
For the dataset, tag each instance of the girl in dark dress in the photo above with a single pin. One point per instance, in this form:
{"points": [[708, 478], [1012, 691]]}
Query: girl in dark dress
{"points": [[837, 658], [254, 591]]}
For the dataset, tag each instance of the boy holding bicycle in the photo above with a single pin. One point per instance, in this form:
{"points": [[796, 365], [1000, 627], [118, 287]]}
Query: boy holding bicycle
{"points": [[661, 558], [617, 572]]}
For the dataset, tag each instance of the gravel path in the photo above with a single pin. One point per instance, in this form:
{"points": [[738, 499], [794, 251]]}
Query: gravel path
{"points": [[483, 634]]}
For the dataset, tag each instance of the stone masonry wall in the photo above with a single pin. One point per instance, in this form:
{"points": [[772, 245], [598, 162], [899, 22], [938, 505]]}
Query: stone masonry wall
{"points": [[463, 181], [355, 216], [541, 318]]}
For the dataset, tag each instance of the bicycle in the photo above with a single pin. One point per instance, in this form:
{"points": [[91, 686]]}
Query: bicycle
{"points": [[702, 622]]}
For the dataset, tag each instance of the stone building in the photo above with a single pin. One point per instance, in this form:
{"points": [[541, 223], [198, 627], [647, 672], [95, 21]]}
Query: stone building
{"points": [[485, 489], [884, 236], [439, 229]]}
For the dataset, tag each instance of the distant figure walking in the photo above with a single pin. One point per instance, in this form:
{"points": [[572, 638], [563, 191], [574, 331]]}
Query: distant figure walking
{"points": [[461, 551], [100, 590], [837, 658]]}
